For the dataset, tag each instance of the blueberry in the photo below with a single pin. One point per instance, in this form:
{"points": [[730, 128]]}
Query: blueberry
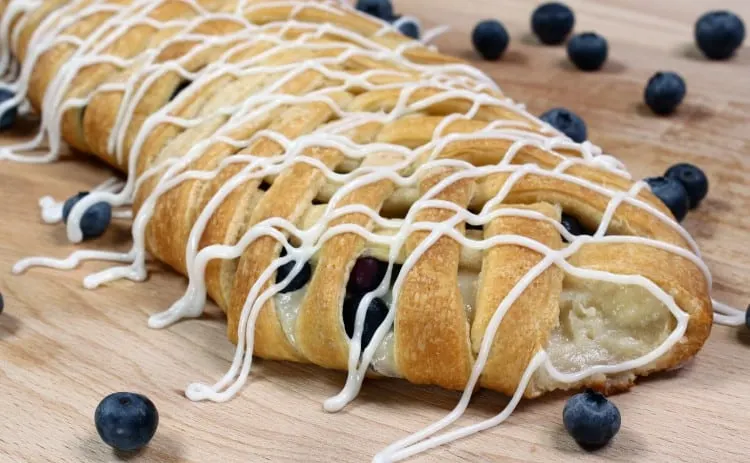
{"points": [[376, 313], [298, 281], [664, 92], [552, 22], [672, 194], [588, 51], [566, 122], [409, 29], [719, 34], [366, 275], [2, 303], [96, 218], [395, 271], [747, 316], [573, 226], [126, 421], [382, 9], [591, 419], [9, 116], [490, 39], [693, 179]]}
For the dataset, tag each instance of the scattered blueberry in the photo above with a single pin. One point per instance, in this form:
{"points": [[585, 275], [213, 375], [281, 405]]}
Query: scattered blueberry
{"points": [[2, 303], [376, 313], [591, 419], [693, 179], [490, 39], [126, 421], [566, 122], [588, 51], [382, 9], [366, 275], [552, 22], [719, 34], [572, 224], [410, 29], [9, 116], [672, 194], [96, 218], [747, 316], [298, 281], [664, 92]]}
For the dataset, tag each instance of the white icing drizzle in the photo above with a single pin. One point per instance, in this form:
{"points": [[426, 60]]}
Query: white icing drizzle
{"points": [[452, 81]]}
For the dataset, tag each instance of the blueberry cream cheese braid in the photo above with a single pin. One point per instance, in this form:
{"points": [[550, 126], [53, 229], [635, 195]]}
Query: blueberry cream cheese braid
{"points": [[354, 199]]}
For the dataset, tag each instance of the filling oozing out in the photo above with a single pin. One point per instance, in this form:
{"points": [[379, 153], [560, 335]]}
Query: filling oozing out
{"points": [[603, 323], [600, 323]]}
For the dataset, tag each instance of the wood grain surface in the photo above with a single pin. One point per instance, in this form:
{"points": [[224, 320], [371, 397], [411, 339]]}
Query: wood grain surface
{"points": [[63, 348]]}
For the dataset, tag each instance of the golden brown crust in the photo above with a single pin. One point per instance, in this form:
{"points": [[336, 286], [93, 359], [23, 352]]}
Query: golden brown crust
{"points": [[432, 332], [300, 184], [50, 62], [587, 205], [31, 21], [435, 340], [520, 335]]}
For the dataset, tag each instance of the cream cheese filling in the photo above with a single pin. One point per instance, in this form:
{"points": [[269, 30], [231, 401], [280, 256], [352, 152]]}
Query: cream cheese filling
{"points": [[604, 323], [600, 323]]}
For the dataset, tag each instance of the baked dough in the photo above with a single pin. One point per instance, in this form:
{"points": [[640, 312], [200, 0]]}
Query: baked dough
{"points": [[246, 127]]}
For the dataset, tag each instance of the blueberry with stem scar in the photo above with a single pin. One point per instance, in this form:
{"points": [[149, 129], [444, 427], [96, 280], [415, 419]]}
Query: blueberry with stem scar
{"points": [[126, 421], [591, 419]]}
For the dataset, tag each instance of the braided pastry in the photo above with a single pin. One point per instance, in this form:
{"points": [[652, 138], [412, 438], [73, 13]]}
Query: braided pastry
{"points": [[355, 199]]}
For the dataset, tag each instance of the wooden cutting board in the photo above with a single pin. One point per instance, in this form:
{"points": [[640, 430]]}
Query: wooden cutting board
{"points": [[63, 348]]}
